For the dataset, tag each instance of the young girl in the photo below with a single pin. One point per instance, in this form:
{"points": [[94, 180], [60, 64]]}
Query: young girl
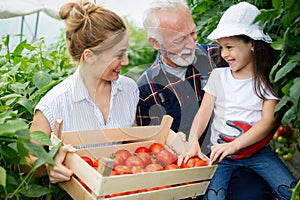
{"points": [[240, 92]]}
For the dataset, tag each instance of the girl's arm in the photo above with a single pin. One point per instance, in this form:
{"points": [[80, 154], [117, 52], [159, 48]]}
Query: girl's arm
{"points": [[199, 125], [255, 134]]}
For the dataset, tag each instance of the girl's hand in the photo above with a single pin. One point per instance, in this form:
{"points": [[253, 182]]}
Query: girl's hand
{"points": [[220, 151], [59, 172], [192, 149]]}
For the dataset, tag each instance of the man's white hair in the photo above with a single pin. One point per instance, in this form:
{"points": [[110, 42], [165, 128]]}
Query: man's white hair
{"points": [[151, 21]]}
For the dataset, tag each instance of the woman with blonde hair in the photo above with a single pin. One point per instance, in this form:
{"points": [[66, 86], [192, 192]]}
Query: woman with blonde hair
{"points": [[96, 96]]}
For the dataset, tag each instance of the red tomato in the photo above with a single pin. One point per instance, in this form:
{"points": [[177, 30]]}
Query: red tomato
{"points": [[96, 164], [189, 164], [199, 162], [142, 150], [123, 169], [165, 157], [145, 157], [123, 153], [153, 167], [136, 170], [113, 172], [84, 185], [171, 166], [135, 161], [88, 160], [118, 160], [156, 147]]}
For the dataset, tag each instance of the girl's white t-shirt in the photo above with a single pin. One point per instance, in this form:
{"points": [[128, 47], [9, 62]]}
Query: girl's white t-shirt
{"points": [[235, 100]]}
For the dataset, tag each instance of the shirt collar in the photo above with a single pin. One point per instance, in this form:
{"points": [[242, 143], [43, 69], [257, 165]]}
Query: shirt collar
{"points": [[80, 91]]}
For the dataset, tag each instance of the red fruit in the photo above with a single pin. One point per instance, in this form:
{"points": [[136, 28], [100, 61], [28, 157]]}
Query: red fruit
{"points": [[88, 160], [156, 147], [96, 164], [199, 162], [142, 150], [123, 153], [123, 169], [145, 157], [135, 161], [189, 164], [84, 185], [118, 160], [165, 157], [153, 167], [171, 166]]}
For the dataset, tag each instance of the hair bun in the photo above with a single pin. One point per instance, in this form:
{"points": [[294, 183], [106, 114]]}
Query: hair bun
{"points": [[76, 14]]}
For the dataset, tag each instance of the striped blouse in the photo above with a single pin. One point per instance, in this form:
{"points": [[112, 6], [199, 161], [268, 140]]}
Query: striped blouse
{"points": [[70, 101]]}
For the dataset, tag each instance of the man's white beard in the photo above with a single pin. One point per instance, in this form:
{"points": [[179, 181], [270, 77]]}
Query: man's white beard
{"points": [[178, 60]]}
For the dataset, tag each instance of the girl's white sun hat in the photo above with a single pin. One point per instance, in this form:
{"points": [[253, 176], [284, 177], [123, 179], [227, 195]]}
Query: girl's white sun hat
{"points": [[238, 20]]}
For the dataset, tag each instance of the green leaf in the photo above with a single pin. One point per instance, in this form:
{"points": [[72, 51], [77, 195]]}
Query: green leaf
{"points": [[13, 126], [47, 63], [55, 149], [39, 152], [295, 91], [19, 48], [19, 87], [283, 101], [278, 44], [26, 103], [275, 68], [23, 152], [41, 137], [10, 96], [288, 67], [8, 152], [35, 191], [276, 4], [290, 115], [2, 177], [41, 78]]}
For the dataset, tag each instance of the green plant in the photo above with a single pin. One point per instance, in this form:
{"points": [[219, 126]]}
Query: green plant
{"points": [[282, 21], [26, 73], [15, 145]]}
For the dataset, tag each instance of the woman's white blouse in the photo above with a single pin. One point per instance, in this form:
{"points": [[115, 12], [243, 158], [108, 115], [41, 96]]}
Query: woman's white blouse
{"points": [[70, 101]]}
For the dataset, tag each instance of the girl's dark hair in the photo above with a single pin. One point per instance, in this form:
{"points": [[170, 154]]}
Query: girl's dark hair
{"points": [[264, 60]]}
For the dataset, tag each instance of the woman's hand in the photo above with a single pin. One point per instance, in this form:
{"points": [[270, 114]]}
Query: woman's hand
{"points": [[59, 172], [193, 149]]}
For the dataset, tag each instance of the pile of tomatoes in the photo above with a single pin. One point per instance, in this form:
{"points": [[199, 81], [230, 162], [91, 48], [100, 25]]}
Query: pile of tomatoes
{"points": [[143, 159], [288, 138], [154, 158]]}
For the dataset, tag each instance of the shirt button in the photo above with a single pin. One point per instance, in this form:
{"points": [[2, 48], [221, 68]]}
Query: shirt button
{"points": [[187, 97]]}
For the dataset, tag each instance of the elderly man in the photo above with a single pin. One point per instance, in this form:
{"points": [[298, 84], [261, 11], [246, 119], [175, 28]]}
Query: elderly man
{"points": [[173, 83]]}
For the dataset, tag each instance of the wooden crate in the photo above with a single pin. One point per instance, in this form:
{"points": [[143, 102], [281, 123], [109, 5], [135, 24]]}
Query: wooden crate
{"points": [[102, 184]]}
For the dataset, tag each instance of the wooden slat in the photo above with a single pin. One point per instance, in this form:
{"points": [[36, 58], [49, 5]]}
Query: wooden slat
{"points": [[154, 179]]}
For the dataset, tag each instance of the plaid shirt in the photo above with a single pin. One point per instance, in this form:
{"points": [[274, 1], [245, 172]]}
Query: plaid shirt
{"points": [[162, 93]]}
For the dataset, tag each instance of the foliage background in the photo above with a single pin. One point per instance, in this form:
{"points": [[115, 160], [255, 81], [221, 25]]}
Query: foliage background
{"points": [[29, 70]]}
